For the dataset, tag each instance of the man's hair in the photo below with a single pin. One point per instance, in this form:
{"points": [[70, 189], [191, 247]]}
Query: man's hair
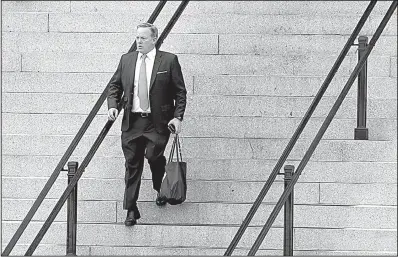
{"points": [[152, 27]]}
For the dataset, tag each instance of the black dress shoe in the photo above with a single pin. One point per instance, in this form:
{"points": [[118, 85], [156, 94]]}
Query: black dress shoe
{"points": [[132, 217], [160, 201], [130, 222]]}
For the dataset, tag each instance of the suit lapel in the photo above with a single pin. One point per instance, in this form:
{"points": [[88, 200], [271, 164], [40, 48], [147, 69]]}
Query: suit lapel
{"points": [[156, 64], [131, 67]]}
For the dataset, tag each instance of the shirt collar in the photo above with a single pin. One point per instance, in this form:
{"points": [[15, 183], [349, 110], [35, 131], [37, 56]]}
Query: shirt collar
{"points": [[150, 55]]}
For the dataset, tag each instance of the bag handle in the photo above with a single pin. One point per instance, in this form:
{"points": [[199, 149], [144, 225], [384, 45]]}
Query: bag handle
{"points": [[176, 145], [172, 150]]}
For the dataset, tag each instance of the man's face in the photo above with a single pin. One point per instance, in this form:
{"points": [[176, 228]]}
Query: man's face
{"points": [[145, 41]]}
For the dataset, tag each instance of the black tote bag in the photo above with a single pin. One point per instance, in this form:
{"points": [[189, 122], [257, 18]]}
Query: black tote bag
{"points": [[174, 185]]}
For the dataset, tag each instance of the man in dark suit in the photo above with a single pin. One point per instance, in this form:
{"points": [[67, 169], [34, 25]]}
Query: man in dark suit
{"points": [[152, 85]]}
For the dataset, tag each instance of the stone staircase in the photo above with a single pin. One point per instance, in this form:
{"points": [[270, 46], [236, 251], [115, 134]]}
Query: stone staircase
{"points": [[251, 70]]}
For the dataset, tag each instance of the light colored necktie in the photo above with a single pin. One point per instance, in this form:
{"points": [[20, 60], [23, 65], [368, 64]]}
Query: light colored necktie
{"points": [[142, 85]]}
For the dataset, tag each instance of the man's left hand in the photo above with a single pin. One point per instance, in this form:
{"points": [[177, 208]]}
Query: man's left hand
{"points": [[177, 124]]}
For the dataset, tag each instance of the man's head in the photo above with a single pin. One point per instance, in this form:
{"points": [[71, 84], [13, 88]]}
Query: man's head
{"points": [[146, 37]]}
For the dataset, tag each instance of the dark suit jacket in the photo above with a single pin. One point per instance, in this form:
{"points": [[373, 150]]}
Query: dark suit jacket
{"points": [[167, 93]]}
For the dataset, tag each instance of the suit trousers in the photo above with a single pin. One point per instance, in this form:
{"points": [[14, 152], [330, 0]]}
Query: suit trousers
{"points": [[142, 140]]}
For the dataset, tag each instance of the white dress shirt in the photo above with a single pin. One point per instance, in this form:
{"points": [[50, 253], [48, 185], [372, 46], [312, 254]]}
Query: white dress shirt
{"points": [[149, 67]]}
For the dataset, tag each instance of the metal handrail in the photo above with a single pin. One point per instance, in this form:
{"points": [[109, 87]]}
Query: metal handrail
{"points": [[322, 130], [69, 152], [299, 130], [93, 149]]}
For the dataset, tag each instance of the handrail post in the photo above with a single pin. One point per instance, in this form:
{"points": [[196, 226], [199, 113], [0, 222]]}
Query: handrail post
{"points": [[361, 132], [71, 213], [288, 217]]}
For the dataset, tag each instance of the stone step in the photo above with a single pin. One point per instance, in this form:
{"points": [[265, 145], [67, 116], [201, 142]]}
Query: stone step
{"points": [[106, 42], [315, 216], [297, 44], [269, 106], [51, 250], [25, 22], [196, 64], [198, 191], [212, 237], [204, 44], [248, 85], [35, 7], [248, 127], [209, 65], [224, 106], [199, 65], [194, 23], [11, 61], [228, 85], [202, 126], [353, 8], [213, 191], [212, 148], [213, 169], [146, 235]]}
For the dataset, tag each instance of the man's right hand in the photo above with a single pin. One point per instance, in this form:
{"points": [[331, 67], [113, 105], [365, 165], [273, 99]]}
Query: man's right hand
{"points": [[112, 114]]}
